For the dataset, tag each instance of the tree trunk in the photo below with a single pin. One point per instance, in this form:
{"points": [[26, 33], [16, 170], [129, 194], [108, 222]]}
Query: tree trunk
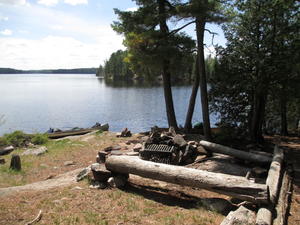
{"points": [[166, 68], [251, 157], [189, 116], [257, 121], [234, 186], [200, 26], [15, 163]]}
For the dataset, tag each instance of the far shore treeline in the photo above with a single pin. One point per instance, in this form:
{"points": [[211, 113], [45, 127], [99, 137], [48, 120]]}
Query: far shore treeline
{"points": [[58, 71]]}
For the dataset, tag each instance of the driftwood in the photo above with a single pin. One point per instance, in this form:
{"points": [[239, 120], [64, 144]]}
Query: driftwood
{"points": [[251, 157], [39, 216], [283, 200], [235, 186], [264, 214]]}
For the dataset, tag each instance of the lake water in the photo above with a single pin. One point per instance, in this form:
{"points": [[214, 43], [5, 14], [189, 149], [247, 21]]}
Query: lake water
{"points": [[34, 102]]}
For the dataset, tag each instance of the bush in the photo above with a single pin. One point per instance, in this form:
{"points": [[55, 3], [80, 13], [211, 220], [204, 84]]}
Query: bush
{"points": [[18, 139], [39, 139]]}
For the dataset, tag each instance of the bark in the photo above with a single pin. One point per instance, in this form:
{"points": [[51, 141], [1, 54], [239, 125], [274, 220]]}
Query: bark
{"points": [[264, 214], [258, 118], [248, 156], [166, 68], [284, 197], [200, 27], [15, 163], [234, 186], [189, 116]]}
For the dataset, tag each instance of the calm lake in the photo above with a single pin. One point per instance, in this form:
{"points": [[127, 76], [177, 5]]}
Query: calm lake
{"points": [[34, 102]]}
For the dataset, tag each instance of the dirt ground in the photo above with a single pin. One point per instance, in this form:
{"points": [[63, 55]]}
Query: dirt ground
{"points": [[49, 185]]}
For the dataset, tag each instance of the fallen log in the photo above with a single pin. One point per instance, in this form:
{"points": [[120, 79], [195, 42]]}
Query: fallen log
{"points": [[264, 214], [283, 199], [234, 186], [248, 156]]}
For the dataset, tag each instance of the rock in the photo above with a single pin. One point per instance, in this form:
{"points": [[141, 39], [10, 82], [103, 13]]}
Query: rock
{"points": [[241, 216], [6, 150], [99, 174], [102, 156], [218, 205], [2, 161], [120, 181], [200, 150], [125, 132], [179, 141], [117, 181], [111, 182], [108, 149], [35, 151], [118, 147], [116, 152], [172, 131], [82, 174], [69, 163], [96, 166], [132, 153], [137, 147], [98, 185], [15, 163]]}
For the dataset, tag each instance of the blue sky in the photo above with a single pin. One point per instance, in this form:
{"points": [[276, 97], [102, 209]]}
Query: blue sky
{"points": [[57, 34]]}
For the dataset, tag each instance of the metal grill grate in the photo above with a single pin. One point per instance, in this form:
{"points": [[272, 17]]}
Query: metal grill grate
{"points": [[158, 153], [158, 148]]}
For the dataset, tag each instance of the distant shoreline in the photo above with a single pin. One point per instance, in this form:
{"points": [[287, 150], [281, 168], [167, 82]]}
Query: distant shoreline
{"points": [[50, 71]]}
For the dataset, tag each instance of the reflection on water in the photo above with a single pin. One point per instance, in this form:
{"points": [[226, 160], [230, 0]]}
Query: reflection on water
{"points": [[35, 102]]}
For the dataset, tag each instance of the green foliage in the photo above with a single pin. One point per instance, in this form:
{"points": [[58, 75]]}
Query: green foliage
{"points": [[117, 66], [18, 139], [39, 139], [255, 78]]}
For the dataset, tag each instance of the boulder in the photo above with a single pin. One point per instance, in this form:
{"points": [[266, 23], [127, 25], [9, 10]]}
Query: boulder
{"points": [[137, 147], [35, 151], [179, 141], [241, 216], [6, 150], [84, 173], [100, 174]]}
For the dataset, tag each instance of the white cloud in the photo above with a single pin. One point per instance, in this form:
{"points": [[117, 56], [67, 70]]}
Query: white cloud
{"points": [[56, 52], [56, 27], [6, 32], [23, 31], [133, 9], [76, 2], [48, 2], [14, 2]]}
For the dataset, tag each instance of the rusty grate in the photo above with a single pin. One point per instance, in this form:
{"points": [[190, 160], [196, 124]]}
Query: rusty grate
{"points": [[158, 153]]}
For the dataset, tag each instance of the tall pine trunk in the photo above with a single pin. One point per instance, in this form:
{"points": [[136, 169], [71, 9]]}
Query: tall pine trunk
{"points": [[166, 67], [189, 116], [200, 26]]}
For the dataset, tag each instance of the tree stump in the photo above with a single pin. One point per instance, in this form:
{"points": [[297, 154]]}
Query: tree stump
{"points": [[15, 163]]}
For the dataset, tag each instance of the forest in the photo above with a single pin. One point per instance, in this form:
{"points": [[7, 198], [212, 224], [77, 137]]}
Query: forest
{"points": [[254, 79], [57, 71]]}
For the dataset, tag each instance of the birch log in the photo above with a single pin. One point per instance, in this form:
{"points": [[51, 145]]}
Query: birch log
{"points": [[264, 214], [234, 186], [248, 156]]}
